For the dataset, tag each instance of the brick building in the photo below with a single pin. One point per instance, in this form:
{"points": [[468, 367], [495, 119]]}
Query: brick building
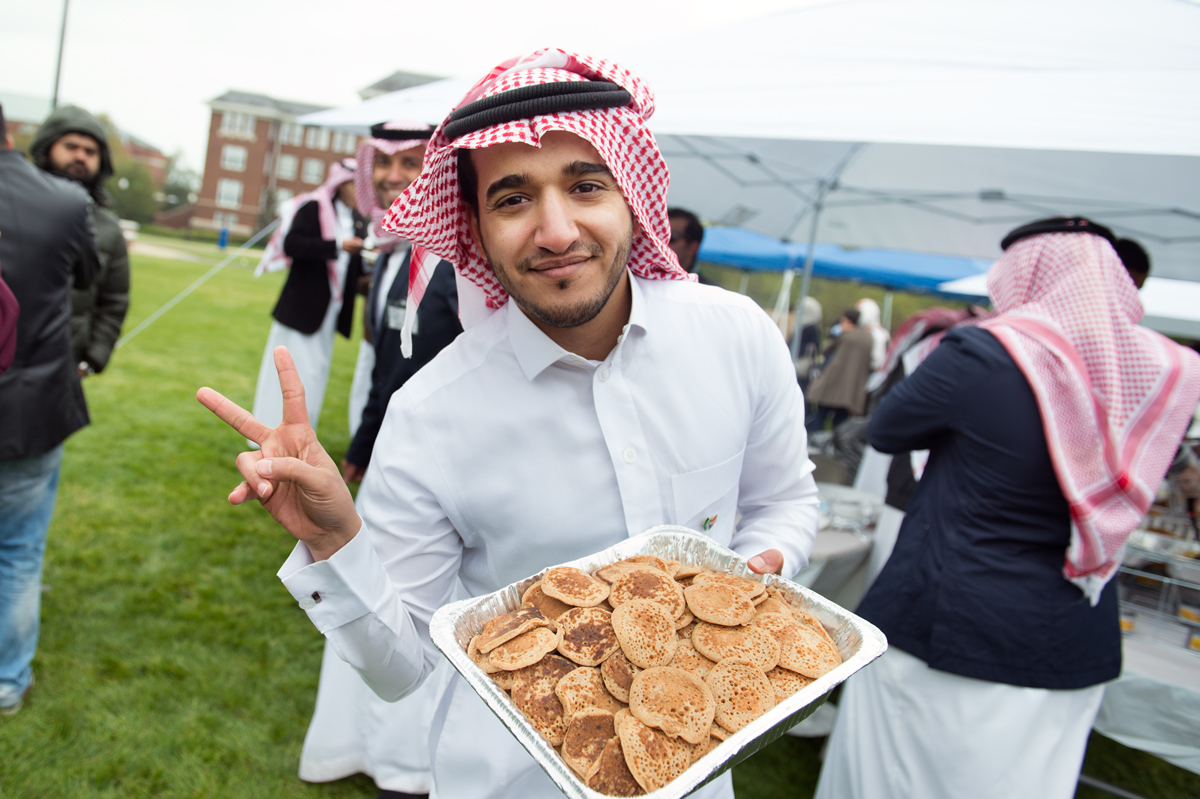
{"points": [[259, 157]]}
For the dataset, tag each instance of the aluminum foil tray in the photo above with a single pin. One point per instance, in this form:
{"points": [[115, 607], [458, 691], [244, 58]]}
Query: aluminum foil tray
{"points": [[859, 642]]}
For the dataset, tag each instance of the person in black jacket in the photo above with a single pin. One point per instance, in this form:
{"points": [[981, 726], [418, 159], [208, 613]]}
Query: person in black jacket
{"points": [[47, 247], [1001, 616], [324, 244]]}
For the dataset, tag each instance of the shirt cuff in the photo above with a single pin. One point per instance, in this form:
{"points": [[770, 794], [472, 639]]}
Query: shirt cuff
{"points": [[346, 586]]}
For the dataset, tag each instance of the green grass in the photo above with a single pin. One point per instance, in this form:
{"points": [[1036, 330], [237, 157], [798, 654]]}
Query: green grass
{"points": [[172, 663]]}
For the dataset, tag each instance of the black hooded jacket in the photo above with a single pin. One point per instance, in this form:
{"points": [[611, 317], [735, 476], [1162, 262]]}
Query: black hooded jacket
{"points": [[98, 311]]}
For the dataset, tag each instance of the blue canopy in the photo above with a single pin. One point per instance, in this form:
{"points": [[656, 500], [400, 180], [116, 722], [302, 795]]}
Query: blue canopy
{"points": [[893, 269]]}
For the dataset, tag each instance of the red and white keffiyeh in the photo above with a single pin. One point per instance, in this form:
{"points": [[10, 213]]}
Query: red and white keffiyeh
{"points": [[433, 215], [274, 259], [1115, 398], [365, 195]]}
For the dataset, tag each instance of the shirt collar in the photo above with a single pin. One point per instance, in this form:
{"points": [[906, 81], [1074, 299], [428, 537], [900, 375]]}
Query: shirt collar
{"points": [[535, 351]]}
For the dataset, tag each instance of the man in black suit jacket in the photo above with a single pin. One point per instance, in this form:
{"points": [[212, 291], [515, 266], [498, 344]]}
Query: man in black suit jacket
{"points": [[309, 311], [46, 247], [436, 326]]}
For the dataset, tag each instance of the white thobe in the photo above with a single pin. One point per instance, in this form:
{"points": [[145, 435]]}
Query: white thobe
{"points": [[311, 352], [507, 454]]}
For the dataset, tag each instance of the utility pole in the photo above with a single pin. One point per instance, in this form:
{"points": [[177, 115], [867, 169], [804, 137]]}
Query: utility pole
{"points": [[62, 35]]}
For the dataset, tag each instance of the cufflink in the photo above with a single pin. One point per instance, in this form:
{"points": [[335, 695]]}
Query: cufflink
{"points": [[310, 602]]}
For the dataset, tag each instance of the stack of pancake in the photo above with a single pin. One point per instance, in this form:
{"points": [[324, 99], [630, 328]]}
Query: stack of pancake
{"points": [[638, 671]]}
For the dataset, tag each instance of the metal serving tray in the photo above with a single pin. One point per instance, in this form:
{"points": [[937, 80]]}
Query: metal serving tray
{"points": [[859, 642]]}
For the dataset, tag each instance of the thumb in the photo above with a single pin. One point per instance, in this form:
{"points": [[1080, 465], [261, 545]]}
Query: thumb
{"points": [[292, 470], [768, 562]]}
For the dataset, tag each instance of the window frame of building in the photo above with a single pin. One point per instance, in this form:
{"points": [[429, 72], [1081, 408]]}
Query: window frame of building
{"points": [[291, 133], [289, 167], [307, 171], [227, 195], [282, 195], [316, 138], [224, 219], [236, 125], [344, 142], [234, 157]]}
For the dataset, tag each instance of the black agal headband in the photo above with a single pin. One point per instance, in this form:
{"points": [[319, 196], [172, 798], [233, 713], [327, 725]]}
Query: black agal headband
{"points": [[532, 101], [391, 134], [1058, 224]]}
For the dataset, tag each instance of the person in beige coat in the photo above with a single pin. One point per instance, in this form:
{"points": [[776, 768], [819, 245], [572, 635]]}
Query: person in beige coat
{"points": [[840, 391]]}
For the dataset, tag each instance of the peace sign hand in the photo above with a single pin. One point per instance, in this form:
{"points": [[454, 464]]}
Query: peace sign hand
{"points": [[291, 475]]}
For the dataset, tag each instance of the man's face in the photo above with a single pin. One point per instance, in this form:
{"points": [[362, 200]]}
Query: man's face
{"points": [[685, 250], [77, 155], [345, 193], [392, 174], [554, 226]]}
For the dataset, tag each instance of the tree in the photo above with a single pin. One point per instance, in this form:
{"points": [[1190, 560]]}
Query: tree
{"points": [[181, 186]]}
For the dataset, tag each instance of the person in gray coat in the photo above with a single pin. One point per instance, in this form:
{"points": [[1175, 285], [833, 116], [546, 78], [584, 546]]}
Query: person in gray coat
{"points": [[74, 144], [47, 246]]}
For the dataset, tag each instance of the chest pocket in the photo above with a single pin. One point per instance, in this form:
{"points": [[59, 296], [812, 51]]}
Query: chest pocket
{"points": [[393, 315], [706, 499]]}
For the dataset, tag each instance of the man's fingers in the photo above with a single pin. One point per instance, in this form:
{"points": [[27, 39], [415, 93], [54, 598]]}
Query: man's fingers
{"points": [[233, 415], [769, 562], [246, 464], [290, 470], [294, 409]]}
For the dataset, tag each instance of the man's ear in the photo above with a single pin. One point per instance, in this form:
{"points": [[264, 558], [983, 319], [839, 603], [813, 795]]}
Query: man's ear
{"points": [[8, 141], [476, 236]]}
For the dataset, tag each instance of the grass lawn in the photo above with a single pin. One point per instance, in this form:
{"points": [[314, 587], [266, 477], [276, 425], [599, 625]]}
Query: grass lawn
{"points": [[172, 663]]}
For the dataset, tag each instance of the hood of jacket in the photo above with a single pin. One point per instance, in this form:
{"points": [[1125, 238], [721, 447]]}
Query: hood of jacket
{"points": [[73, 119]]}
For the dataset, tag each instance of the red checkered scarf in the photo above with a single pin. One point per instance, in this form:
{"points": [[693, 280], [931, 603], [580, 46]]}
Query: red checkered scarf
{"points": [[365, 195], [432, 214], [1115, 398], [274, 258]]}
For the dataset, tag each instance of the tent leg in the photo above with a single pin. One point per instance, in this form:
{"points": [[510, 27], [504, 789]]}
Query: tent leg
{"points": [[745, 284], [798, 327], [886, 314], [779, 315]]}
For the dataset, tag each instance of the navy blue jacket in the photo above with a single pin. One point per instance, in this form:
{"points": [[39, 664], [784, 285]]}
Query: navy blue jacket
{"points": [[974, 586], [306, 295], [437, 325]]}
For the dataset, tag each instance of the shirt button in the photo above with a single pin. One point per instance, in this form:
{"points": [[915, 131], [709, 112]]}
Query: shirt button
{"points": [[308, 603], [630, 455], [603, 375]]}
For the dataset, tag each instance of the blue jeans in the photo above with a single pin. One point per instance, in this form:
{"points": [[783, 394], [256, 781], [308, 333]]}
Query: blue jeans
{"points": [[28, 487]]}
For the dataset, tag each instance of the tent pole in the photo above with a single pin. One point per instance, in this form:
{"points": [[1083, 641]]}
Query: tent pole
{"points": [[798, 327], [745, 284], [823, 189], [886, 315]]}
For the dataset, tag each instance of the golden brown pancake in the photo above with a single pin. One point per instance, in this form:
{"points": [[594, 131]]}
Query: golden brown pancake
{"points": [[750, 644], [535, 597], [618, 674], [786, 682], [533, 694], [674, 701], [742, 691], [548, 671], [683, 621], [481, 660], [615, 571], [505, 679], [687, 658], [772, 605], [654, 758], [610, 774], [719, 603], [649, 584], [686, 572], [704, 747], [719, 732], [507, 627], [646, 632], [808, 651], [583, 689], [586, 636], [684, 633], [585, 738], [575, 588], [524, 650], [752, 587]]}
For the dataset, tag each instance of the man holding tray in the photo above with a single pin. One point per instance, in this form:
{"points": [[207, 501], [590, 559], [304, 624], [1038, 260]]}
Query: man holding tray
{"points": [[612, 395]]}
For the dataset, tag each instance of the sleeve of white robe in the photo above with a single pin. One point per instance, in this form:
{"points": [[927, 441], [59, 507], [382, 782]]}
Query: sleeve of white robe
{"points": [[386, 638], [777, 495]]}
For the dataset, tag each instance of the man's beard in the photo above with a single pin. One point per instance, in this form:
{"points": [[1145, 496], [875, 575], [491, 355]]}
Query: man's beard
{"points": [[573, 315], [79, 173]]}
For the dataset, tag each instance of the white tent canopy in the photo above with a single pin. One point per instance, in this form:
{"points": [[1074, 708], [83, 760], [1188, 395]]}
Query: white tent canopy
{"points": [[925, 125]]}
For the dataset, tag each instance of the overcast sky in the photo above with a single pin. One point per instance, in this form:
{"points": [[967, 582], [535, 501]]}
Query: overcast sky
{"points": [[153, 64]]}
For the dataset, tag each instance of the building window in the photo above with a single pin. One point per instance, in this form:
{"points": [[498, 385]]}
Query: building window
{"points": [[291, 133], [229, 193], [317, 138], [287, 167], [224, 220], [239, 126], [282, 196], [233, 158], [314, 170], [343, 142]]}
